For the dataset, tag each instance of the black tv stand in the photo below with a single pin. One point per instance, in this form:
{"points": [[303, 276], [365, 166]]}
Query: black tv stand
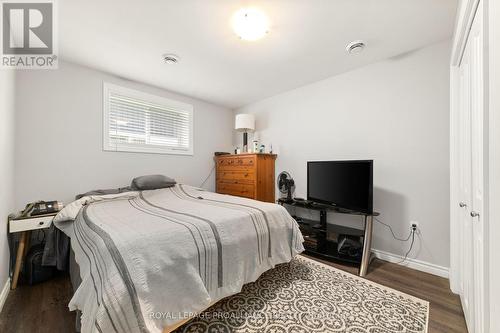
{"points": [[322, 220], [317, 241]]}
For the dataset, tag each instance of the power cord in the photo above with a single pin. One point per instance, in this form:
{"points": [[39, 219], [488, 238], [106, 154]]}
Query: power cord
{"points": [[411, 247], [392, 232], [411, 235], [206, 179]]}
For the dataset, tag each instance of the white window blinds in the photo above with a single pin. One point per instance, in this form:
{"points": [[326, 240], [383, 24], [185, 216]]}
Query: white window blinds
{"points": [[139, 122]]}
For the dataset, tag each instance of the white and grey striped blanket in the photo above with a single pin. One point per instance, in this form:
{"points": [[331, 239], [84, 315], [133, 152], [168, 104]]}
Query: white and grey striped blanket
{"points": [[149, 259]]}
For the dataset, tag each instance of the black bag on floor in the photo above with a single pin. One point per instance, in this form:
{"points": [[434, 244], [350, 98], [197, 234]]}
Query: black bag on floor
{"points": [[33, 271]]}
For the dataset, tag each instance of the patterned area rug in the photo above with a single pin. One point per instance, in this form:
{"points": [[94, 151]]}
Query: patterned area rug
{"points": [[308, 296]]}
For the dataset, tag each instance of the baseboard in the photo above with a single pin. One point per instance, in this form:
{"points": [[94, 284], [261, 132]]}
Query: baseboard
{"points": [[4, 293], [413, 263]]}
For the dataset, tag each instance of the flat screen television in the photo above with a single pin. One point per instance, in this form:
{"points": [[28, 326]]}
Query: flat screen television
{"points": [[344, 184]]}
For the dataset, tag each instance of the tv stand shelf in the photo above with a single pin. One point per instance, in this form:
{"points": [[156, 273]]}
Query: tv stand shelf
{"points": [[320, 237], [322, 242], [318, 206]]}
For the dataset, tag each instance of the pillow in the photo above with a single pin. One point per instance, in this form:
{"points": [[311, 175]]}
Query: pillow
{"points": [[151, 182]]}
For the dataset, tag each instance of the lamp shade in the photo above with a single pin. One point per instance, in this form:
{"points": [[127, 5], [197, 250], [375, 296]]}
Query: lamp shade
{"points": [[244, 122]]}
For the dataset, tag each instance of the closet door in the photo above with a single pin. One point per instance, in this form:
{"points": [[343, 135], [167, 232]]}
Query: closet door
{"points": [[475, 43], [465, 196], [471, 177]]}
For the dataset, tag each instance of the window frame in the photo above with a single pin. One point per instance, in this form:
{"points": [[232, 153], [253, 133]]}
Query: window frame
{"points": [[107, 145]]}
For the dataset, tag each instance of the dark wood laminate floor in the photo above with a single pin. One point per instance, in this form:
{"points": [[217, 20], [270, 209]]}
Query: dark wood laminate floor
{"points": [[44, 307], [40, 308]]}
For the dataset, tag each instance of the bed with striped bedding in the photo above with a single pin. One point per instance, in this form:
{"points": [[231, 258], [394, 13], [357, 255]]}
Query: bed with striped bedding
{"points": [[151, 259]]}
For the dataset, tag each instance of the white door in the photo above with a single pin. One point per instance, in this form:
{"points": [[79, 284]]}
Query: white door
{"points": [[470, 172], [465, 196], [475, 43]]}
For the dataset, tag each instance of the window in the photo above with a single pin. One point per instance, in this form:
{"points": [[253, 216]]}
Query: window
{"points": [[138, 122]]}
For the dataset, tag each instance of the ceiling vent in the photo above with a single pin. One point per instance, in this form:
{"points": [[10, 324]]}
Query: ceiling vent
{"points": [[355, 47], [171, 58]]}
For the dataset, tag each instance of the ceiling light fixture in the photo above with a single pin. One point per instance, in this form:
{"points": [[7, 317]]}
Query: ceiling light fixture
{"points": [[355, 47], [250, 24], [170, 58]]}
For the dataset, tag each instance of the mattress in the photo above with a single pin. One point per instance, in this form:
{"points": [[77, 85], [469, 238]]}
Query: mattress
{"points": [[153, 258]]}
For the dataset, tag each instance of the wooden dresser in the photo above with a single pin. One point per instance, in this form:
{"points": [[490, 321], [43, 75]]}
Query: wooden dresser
{"points": [[246, 175]]}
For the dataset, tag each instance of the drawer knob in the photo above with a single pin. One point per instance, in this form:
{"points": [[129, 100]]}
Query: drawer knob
{"points": [[41, 223]]}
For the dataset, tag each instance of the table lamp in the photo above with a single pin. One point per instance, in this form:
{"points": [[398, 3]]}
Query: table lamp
{"points": [[244, 123]]}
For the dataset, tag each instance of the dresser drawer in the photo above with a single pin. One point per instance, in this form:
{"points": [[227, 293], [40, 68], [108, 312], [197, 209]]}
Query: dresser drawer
{"points": [[246, 175], [240, 190], [30, 224], [236, 163], [232, 175]]}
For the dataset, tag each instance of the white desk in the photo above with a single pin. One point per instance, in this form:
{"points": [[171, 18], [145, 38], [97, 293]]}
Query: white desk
{"points": [[25, 226]]}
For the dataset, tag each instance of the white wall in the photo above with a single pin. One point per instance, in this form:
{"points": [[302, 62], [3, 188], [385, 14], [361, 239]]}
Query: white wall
{"points": [[7, 84], [395, 112], [59, 137]]}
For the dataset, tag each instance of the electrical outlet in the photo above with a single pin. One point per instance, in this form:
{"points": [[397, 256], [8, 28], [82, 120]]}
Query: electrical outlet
{"points": [[414, 225]]}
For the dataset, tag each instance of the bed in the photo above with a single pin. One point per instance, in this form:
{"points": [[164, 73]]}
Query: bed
{"points": [[150, 260]]}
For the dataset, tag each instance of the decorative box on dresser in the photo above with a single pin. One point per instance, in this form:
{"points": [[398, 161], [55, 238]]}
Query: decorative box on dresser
{"points": [[246, 175]]}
